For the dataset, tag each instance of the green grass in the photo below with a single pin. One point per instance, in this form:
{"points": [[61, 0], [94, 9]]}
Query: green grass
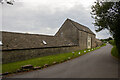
{"points": [[112, 42], [103, 45], [114, 51], [41, 61], [0, 68]]}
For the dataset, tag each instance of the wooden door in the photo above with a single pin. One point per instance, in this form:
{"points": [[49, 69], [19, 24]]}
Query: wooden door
{"points": [[89, 42]]}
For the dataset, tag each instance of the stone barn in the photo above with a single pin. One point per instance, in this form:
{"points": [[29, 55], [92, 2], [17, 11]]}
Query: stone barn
{"points": [[77, 34], [71, 36]]}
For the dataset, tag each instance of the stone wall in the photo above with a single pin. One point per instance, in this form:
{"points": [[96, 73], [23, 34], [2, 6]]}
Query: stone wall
{"points": [[69, 32], [19, 55], [82, 39], [98, 42], [93, 41]]}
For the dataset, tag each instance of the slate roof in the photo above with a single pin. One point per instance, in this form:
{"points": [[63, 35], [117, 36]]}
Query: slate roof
{"points": [[80, 27], [13, 40]]}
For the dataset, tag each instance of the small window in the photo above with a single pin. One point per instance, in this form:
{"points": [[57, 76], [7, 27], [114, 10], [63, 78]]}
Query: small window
{"points": [[62, 34], [1, 43], [44, 42]]}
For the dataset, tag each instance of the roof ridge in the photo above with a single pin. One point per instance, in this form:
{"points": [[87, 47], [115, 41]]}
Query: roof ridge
{"points": [[25, 33]]}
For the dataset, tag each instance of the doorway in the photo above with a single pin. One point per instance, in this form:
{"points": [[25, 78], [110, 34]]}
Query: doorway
{"points": [[89, 42]]}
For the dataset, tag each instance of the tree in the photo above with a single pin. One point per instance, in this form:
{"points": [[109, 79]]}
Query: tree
{"points": [[106, 40], [107, 16]]}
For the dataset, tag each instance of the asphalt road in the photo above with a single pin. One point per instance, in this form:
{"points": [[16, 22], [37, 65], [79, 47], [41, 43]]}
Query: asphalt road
{"points": [[95, 64]]}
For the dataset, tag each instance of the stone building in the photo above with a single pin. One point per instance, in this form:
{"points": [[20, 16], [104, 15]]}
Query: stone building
{"points": [[77, 34], [71, 36]]}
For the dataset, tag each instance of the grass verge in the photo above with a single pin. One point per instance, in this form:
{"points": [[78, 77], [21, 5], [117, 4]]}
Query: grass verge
{"points": [[41, 61], [114, 51]]}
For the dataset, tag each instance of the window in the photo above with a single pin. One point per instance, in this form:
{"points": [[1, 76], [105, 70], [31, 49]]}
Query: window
{"points": [[44, 42], [1, 43]]}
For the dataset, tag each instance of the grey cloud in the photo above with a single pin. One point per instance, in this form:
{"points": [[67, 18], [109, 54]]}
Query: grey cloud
{"points": [[103, 34], [18, 18]]}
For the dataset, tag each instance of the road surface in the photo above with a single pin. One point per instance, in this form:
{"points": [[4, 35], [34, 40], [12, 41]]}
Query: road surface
{"points": [[95, 64]]}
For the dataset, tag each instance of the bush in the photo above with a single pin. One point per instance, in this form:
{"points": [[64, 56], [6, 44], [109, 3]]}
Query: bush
{"points": [[114, 52], [112, 42]]}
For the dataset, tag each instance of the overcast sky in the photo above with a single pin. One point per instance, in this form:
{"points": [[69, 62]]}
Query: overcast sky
{"points": [[46, 16]]}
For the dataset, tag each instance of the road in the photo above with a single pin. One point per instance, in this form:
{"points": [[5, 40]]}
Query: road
{"points": [[95, 64]]}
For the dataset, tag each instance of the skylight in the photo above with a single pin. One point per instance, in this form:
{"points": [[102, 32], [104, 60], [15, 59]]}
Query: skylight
{"points": [[44, 42], [0, 43]]}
